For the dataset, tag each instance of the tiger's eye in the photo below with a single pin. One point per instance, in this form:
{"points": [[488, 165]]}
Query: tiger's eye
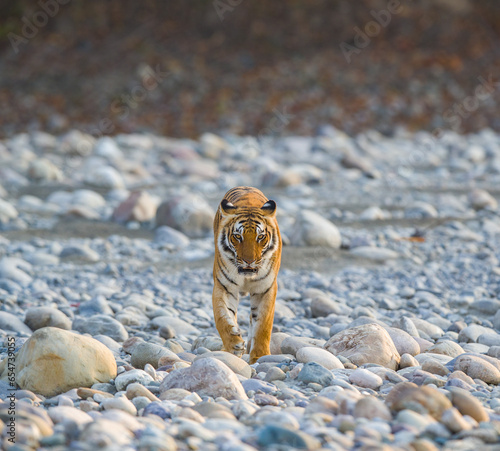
{"points": [[237, 237], [261, 237]]}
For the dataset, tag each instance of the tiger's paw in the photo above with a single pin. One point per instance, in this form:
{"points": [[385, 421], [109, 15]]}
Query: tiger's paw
{"points": [[235, 331], [236, 346], [256, 355]]}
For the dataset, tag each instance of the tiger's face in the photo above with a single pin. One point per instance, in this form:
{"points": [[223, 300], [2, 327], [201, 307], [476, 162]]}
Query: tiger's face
{"points": [[249, 236]]}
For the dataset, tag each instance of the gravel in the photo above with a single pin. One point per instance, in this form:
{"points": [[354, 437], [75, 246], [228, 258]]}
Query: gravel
{"points": [[386, 330]]}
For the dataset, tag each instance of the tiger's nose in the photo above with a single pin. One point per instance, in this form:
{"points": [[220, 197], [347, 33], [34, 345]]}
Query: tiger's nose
{"points": [[248, 262]]}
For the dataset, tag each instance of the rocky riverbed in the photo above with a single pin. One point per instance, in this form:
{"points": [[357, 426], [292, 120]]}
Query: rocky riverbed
{"points": [[386, 332]]}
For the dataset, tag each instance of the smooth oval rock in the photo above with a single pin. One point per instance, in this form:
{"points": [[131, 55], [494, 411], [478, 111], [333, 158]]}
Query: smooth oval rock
{"points": [[446, 347], [101, 325], [119, 403], [407, 395], [477, 368], [468, 404], [319, 355], [404, 342], [370, 407], [66, 414], [368, 343], [123, 380], [207, 377], [311, 229], [290, 345], [38, 317], [165, 235], [53, 361], [11, 323], [237, 365], [144, 353], [190, 214], [16, 270], [179, 325], [323, 306], [315, 373], [276, 435], [139, 206], [365, 378]]}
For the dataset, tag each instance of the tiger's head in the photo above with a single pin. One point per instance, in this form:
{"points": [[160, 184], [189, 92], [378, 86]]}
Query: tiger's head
{"points": [[249, 235]]}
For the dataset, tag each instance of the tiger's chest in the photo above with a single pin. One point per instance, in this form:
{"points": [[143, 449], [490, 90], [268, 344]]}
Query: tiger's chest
{"points": [[245, 283]]}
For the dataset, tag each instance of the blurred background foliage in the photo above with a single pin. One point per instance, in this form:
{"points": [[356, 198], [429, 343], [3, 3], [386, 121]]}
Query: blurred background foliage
{"points": [[89, 65]]}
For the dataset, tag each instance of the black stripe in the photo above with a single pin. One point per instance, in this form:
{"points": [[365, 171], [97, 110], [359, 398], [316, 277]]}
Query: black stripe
{"points": [[225, 275], [264, 292], [223, 286], [232, 311], [263, 277], [223, 244]]}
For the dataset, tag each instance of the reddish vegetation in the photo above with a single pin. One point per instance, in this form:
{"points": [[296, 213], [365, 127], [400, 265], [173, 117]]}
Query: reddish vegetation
{"points": [[268, 67]]}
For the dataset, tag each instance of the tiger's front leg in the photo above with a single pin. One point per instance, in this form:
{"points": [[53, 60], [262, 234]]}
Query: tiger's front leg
{"points": [[225, 305], [261, 323]]}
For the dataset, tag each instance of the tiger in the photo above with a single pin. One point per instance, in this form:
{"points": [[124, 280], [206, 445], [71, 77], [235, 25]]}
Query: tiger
{"points": [[247, 260]]}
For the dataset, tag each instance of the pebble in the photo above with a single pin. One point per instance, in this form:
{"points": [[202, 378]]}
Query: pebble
{"points": [[207, 377], [120, 403], [38, 317], [133, 376], [191, 214], [322, 306], [256, 385], [407, 395], [374, 253], [144, 353], [313, 372], [364, 378], [53, 361], [167, 236], [369, 343], [370, 407], [470, 334], [468, 404], [479, 199], [420, 210], [65, 414], [435, 367], [276, 435], [11, 323], [101, 325], [7, 212], [275, 374], [237, 365], [102, 430], [320, 356], [105, 177], [446, 347], [140, 206], [477, 368], [290, 345], [178, 324], [403, 341], [79, 252], [311, 229], [16, 269]]}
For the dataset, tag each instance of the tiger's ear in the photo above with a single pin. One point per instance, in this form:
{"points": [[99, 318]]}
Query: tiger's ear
{"points": [[227, 207], [269, 208]]}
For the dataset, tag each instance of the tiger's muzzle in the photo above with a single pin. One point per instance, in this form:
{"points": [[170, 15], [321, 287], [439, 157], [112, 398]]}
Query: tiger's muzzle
{"points": [[247, 270]]}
